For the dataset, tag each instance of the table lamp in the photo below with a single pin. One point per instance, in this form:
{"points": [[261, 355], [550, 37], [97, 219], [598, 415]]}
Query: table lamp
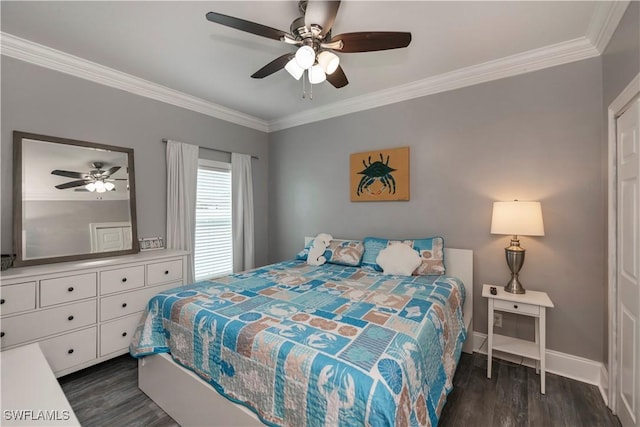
{"points": [[518, 219]]}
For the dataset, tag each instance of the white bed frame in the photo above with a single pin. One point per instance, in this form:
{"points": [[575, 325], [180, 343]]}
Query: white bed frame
{"points": [[190, 401]]}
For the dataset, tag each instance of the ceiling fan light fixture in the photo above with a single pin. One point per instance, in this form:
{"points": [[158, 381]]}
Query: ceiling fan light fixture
{"points": [[109, 186], [294, 69], [100, 188], [90, 186], [316, 75], [329, 61], [305, 57]]}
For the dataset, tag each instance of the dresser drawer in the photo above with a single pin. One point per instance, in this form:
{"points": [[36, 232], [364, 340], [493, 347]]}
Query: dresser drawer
{"points": [[67, 289], [516, 307], [31, 326], [117, 335], [163, 272], [129, 302], [121, 279], [71, 349], [17, 298]]}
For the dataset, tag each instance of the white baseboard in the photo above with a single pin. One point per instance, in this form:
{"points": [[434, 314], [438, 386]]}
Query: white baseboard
{"points": [[563, 364], [604, 384]]}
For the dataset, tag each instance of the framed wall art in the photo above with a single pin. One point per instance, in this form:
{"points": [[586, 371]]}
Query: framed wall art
{"points": [[380, 175]]}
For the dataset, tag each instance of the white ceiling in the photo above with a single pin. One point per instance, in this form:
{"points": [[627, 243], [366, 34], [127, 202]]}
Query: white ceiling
{"points": [[173, 45]]}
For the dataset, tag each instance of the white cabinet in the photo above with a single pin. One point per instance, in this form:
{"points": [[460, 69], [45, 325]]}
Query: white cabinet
{"points": [[82, 313]]}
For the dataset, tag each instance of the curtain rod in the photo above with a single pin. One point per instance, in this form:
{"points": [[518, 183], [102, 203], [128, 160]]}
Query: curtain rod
{"points": [[215, 149]]}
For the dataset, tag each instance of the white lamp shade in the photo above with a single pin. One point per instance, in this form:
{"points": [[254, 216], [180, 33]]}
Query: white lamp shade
{"points": [[90, 186], [305, 57], [109, 186], [517, 218], [100, 188], [329, 61], [316, 75], [294, 69]]}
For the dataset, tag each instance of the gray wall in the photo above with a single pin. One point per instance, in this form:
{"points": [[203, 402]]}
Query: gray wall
{"points": [[38, 100], [620, 64], [532, 137]]}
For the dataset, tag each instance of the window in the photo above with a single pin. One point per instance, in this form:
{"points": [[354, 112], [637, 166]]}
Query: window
{"points": [[214, 252]]}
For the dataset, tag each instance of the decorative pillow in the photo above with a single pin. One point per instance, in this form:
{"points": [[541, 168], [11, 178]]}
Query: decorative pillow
{"points": [[398, 259], [431, 250], [342, 252], [345, 252]]}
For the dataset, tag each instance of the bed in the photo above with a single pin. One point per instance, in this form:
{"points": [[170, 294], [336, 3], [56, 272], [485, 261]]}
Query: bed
{"points": [[294, 344]]}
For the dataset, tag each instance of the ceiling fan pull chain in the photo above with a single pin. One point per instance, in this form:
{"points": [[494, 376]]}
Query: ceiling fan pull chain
{"points": [[304, 91]]}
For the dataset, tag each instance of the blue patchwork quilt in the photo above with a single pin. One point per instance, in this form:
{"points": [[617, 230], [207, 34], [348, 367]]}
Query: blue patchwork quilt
{"points": [[325, 345]]}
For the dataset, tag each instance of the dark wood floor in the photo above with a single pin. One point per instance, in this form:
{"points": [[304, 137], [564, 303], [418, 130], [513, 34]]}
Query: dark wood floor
{"points": [[108, 395]]}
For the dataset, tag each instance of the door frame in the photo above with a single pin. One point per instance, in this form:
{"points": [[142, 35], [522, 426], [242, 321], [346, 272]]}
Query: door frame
{"points": [[616, 108]]}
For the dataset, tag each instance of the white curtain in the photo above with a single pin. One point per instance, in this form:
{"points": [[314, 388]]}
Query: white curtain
{"points": [[182, 177], [242, 194]]}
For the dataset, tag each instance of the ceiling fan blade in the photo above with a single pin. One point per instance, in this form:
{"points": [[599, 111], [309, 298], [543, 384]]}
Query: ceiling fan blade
{"points": [[369, 41], [110, 172], [338, 79], [322, 13], [69, 174], [273, 66], [247, 26], [72, 184]]}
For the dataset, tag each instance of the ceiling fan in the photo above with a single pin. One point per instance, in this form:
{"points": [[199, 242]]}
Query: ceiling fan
{"points": [[97, 180], [311, 32]]}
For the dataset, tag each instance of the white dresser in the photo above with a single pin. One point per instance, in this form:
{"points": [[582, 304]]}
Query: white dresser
{"points": [[82, 313]]}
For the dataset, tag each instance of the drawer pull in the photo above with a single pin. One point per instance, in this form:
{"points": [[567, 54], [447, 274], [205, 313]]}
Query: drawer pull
{"points": [[70, 289], [2, 301], [70, 317], [124, 305], [124, 334], [515, 306], [124, 279], [70, 351], [1, 334], [166, 272]]}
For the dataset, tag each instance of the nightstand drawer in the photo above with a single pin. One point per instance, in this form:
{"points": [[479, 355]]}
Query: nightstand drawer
{"points": [[516, 307], [67, 289], [17, 298]]}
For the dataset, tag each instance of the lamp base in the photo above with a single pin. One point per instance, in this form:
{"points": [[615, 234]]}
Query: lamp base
{"points": [[514, 286], [515, 259]]}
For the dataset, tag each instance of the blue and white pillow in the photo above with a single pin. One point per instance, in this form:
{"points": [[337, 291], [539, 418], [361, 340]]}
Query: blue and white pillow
{"points": [[341, 252], [431, 251]]}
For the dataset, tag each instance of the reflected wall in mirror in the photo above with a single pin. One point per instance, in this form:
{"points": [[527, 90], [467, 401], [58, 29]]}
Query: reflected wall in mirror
{"points": [[73, 200]]}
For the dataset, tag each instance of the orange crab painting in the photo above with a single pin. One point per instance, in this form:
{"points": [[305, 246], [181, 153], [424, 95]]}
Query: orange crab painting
{"points": [[380, 175]]}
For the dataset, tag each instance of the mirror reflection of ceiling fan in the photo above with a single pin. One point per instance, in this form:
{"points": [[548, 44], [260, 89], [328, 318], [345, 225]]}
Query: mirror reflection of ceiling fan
{"points": [[311, 32], [98, 179]]}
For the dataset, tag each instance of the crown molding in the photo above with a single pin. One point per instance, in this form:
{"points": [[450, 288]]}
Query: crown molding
{"points": [[44, 56], [604, 22], [521, 63]]}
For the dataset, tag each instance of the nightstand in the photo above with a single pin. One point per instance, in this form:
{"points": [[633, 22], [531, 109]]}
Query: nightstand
{"points": [[531, 303]]}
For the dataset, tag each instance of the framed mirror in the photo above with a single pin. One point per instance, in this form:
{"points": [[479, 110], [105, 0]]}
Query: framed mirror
{"points": [[72, 200]]}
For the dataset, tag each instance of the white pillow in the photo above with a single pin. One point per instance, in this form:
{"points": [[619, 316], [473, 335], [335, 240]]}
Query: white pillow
{"points": [[398, 259]]}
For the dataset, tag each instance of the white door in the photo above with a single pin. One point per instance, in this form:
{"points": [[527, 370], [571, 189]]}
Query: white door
{"points": [[628, 265]]}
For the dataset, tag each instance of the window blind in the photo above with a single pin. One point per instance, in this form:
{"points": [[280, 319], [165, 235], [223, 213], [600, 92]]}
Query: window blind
{"points": [[213, 246]]}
